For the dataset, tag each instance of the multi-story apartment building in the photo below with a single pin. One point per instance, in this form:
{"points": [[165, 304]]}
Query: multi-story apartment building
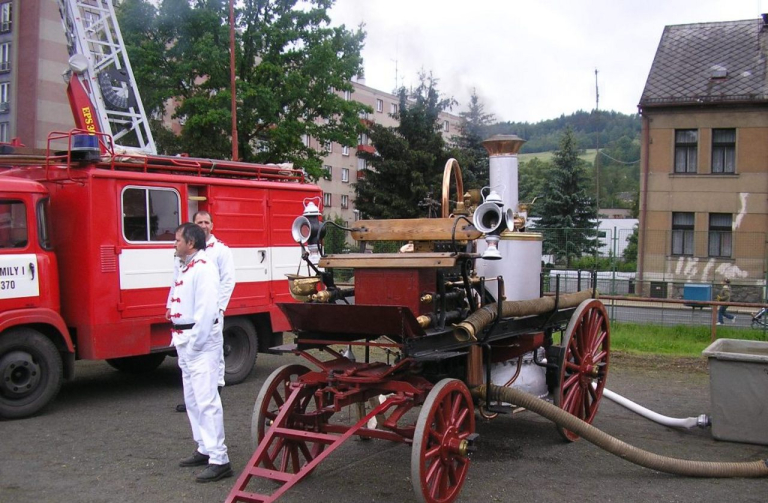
{"points": [[704, 181], [33, 57]]}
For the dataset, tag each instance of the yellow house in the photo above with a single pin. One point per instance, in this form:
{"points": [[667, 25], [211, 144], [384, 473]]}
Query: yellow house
{"points": [[704, 157]]}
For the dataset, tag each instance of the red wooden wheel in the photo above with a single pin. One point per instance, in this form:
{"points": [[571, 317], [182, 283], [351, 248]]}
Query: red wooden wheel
{"points": [[584, 363], [285, 455], [439, 458]]}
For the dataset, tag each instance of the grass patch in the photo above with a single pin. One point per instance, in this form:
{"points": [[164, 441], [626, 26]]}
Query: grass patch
{"points": [[679, 340], [588, 156]]}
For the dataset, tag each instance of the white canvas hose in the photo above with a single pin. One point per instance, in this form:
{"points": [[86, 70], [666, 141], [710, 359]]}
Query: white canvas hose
{"points": [[701, 421]]}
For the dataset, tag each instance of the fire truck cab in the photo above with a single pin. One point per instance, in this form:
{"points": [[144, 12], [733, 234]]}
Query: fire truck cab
{"points": [[86, 261]]}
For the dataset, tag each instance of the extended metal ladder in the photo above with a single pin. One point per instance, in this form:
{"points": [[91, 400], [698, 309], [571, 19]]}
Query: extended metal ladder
{"points": [[99, 60]]}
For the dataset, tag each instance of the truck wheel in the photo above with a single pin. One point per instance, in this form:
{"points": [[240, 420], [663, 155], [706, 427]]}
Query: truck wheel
{"points": [[31, 372], [141, 364], [241, 346]]}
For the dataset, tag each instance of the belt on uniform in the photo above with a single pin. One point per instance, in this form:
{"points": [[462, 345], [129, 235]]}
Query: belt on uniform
{"points": [[187, 326]]}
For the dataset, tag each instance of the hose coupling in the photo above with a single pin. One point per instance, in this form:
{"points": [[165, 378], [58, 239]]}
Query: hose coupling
{"points": [[464, 332]]}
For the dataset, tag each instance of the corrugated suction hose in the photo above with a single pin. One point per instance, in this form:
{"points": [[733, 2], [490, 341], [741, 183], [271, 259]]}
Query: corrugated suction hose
{"points": [[477, 321], [622, 449]]}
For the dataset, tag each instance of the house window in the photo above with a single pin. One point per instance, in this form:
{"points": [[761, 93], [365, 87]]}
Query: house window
{"points": [[5, 88], [150, 214], [344, 150], [5, 17], [328, 175], [723, 151], [720, 235], [5, 128], [345, 175], [686, 148], [379, 105], [446, 126], [329, 147], [393, 108], [305, 140], [361, 164], [682, 234], [344, 201], [362, 139], [327, 199], [347, 95], [5, 57]]}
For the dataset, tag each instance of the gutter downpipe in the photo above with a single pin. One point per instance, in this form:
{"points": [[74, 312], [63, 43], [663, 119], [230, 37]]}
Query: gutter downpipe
{"points": [[645, 148]]}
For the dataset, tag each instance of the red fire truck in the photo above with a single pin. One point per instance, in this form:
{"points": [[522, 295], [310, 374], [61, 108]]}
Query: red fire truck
{"points": [[86, 259]]}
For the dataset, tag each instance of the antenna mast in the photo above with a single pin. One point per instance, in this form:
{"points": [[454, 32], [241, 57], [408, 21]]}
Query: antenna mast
{"points": [[597, 143]]}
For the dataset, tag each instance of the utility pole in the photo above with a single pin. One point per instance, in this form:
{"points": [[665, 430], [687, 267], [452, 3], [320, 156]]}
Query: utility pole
{"points": [[232, 77], [597, 143]]}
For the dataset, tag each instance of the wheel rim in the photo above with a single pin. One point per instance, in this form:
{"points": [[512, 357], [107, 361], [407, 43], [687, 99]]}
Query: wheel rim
{"points": [[584, 363], [236, 348], [284, 454], [439, 460], [20, 374]]}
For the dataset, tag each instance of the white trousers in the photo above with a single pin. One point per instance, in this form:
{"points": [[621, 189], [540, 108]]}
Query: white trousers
{"points": [[218, 332], [200, 374]]}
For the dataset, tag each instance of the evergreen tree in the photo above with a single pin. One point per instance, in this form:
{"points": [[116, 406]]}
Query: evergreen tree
{"points": [[291, 66], [533, 175], [405, 172], [567, 206], [472, 156]]}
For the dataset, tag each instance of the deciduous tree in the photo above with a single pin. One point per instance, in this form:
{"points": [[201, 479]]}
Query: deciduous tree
{"points": [[293, 70]]}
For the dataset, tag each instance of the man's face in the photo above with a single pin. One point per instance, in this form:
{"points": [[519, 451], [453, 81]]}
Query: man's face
{"points": [[204, 221], [183, 248]]}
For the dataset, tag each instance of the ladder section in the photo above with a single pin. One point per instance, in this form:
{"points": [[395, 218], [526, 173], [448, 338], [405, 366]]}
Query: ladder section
{"points": [[277, 457], [100, 62]]}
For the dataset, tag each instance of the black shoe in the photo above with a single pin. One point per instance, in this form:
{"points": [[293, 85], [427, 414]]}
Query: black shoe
{"points": [[215, 472], [181, 408], [196, 459]]}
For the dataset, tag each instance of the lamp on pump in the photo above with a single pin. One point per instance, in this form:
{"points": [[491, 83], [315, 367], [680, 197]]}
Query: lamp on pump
{"points": [[489, 218], [307, 230]]}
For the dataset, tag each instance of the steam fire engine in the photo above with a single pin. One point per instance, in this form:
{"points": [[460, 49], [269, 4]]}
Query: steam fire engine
{"points": [[87, 231]]}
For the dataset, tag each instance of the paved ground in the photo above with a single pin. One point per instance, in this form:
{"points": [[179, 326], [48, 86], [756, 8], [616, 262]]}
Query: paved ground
{"points": [[116, 438]]}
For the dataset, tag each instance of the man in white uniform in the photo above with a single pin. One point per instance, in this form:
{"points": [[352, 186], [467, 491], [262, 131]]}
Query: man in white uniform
{"points": [[193, 310], [221, 255]]}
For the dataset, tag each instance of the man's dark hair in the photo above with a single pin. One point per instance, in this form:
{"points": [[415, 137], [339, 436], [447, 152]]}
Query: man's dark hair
{"points": [[202, 212], [192, 232]]}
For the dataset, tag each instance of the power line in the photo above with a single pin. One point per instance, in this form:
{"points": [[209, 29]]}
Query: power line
{"points": [[617, 160]]}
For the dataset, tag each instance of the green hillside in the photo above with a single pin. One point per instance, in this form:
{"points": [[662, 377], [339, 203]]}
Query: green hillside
{"points": [[588, 156]]}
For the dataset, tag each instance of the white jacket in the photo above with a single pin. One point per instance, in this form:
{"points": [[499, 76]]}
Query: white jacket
{"points": [[221, 255], [194, 300]]}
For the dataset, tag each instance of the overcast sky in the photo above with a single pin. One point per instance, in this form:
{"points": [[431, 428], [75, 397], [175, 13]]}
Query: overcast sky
{"points": [[528, 60]]}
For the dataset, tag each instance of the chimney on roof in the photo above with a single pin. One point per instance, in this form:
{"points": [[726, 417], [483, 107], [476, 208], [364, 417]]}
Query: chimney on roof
{"points": [[765, 19]]}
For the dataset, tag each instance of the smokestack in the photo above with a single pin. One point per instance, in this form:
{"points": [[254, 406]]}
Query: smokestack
{"points": [[520, 252], [503, 166]]}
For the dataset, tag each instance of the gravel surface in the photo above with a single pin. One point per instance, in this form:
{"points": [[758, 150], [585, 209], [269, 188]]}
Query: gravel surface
{"points": [[110, 437]]}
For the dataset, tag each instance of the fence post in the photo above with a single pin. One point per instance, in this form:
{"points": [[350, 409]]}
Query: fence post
{"points": [[614, 262]]}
